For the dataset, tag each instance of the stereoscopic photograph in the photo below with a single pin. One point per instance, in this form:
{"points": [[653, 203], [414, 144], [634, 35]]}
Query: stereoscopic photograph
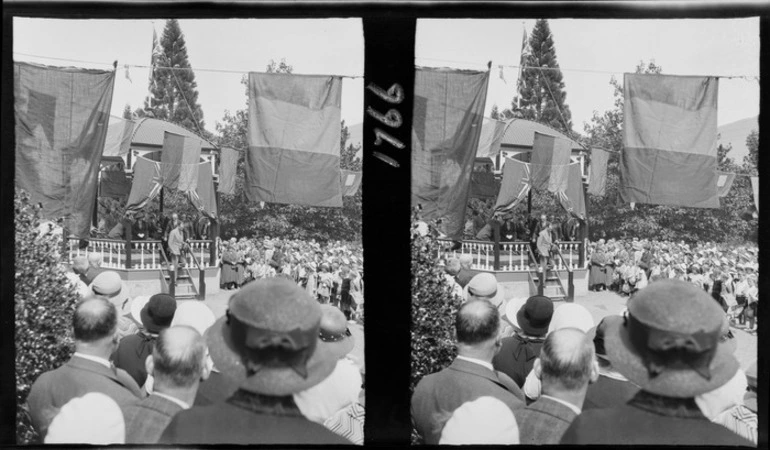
{"points": [[584, 232], [189, 263]]}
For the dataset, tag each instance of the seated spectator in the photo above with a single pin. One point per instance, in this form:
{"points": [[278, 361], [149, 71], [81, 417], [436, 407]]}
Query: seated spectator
{"points": [[155, 314], [178, 363], [94, 267], [470, 376], [452, 268], [267, 343], [612, 388], [93, 419], [668, 344], [76, 276], [567, 366], [484, 421], [89, 370], [518, 352]]}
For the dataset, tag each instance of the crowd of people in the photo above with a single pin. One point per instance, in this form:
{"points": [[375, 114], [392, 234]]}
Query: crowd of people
{"points": [[331, 272], [727, 272], [276, 368], [532, 372]]}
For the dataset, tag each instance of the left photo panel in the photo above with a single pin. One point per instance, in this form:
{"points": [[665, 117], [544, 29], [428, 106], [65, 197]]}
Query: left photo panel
{"points": [[188, 244]]}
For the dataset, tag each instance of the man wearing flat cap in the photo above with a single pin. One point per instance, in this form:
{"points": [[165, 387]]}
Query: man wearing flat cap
{"points": [[268, 345], [669, 345]]}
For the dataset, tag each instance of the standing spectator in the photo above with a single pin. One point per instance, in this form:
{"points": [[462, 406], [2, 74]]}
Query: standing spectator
{"points": [[466, 273], [89, 370], [596, 276], [612, 388], [269, 324], [108, 285], [567, 366], [94, 267], [229, 278], [518, 352], [469, 377], [179, 363], [451, 269], [668, 345], [155, 314]]}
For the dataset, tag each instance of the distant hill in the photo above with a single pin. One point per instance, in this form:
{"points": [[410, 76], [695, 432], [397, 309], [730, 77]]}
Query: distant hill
{"points": [[735, 133]]}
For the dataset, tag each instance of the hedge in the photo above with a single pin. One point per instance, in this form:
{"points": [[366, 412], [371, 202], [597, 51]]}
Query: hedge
{"points": [[43, 302]]}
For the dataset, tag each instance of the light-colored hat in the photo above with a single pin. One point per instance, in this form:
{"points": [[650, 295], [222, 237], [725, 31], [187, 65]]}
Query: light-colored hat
{"points": [[571, 315], [486, 420], [195, 314], [94, 418], [109, 285], [485, 285]]}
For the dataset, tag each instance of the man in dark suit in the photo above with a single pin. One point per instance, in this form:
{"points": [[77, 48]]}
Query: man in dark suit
{"points": [[470, 375], [465, 274], [612, 388], [566, 366], [89, 370], [179, 362]]}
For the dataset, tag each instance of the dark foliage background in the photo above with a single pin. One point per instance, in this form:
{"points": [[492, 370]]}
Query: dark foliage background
{"points": [[43, 304], [433, 313]]}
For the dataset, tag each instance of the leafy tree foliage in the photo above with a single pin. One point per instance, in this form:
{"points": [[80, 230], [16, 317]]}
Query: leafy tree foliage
{"points": [[44, 303], [173, 92], [433, 313], [542, 92], [610, 217], [291, 221]]}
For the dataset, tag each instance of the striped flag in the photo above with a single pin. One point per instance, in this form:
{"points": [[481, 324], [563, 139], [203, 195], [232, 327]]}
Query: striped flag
{"points": [[598, 181], [179, 161], [228, 167], [515, 185], [573, 199], [294, 139], [550, 163], [522, 62], [62, 115], [669, 139], [492, 132]]}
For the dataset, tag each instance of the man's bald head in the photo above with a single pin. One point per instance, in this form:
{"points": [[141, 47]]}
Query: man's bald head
{"points": [[466, 260], [95, 259], [80, 265], [95, 319], [452, 266], [477, 321], [179, 357], [567, 358]]}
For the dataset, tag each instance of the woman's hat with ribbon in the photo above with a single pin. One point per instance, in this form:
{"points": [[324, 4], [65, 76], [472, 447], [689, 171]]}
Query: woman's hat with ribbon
{"points": [[268, 341], [669, 341]]}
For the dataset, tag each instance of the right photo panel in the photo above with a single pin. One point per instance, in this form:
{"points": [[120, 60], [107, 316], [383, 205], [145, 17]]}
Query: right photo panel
{"points": [[584, 232]]}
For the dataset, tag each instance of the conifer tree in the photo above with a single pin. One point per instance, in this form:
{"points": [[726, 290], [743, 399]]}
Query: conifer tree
{"points": [[173, 92], [542, 90]]}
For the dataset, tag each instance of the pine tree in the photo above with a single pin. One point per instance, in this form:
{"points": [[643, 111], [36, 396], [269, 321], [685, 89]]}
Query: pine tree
{"points": [[173, 92], [542, 88]]}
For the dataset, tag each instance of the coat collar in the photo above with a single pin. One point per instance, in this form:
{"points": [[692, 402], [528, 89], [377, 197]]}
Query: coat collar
{"points": [[91, 366], [475, 369]]}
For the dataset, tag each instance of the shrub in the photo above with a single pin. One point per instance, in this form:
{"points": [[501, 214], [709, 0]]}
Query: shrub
{"points": [[433, 313], [44, 302]]}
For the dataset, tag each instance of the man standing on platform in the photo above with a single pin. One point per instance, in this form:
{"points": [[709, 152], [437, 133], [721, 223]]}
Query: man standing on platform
{"points": [[175, 245]]}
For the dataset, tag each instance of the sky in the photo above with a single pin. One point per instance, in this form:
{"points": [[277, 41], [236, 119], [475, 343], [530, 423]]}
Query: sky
{"points": [[322, 46], [589, 52]]}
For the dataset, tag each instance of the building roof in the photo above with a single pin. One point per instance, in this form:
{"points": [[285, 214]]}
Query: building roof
{"points": [[521, 134], [149, 132]]}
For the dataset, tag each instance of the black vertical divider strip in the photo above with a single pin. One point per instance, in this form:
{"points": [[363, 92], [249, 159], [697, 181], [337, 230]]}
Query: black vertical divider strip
{"points": [[7, 266], [389, 60], [763, 258]]}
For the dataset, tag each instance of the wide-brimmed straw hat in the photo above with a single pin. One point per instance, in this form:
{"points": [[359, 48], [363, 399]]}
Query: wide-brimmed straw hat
{"points": [[268, 342], [571, 315], [485, 285], [109, 285], [668, 344]]}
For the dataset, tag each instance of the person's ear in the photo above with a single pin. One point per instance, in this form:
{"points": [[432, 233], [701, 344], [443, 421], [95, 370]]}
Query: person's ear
{"points": [[536, 368], [594, 371], [208, 366], [149, 365]]}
